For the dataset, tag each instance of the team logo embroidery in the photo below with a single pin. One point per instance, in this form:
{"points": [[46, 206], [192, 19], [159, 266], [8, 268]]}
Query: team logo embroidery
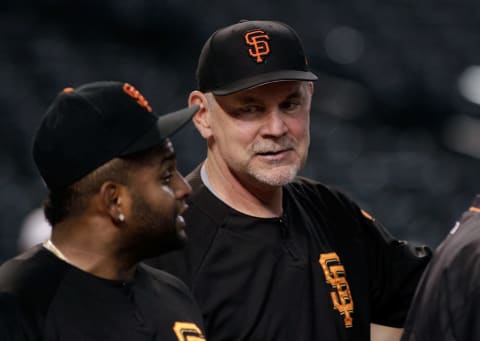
{"points": [[186, 331], [258, 39], [336, 277], [135, 94], [474, 209]]}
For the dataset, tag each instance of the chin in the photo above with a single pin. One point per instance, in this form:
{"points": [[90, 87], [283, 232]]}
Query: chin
{"points": [[276, 177]]}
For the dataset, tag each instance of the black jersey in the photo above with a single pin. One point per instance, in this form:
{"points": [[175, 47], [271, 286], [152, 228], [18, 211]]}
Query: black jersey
{"points": [[42, 298], [322, 271], [446, 305]]}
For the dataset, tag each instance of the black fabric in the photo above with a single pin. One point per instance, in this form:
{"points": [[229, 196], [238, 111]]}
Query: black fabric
{"points": [[43, 299], [251, 53], [86, 127], [262, 279], [447, 301]]}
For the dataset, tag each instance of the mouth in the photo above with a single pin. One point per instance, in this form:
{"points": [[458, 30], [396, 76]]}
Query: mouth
{"points": [[277, 154], [274, 152], [180, 222]]}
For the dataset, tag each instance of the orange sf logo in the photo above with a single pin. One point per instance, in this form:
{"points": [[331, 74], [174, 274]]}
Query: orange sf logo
{"points": [[341, 296], [187, 331], [259, 40], [135, 94]]}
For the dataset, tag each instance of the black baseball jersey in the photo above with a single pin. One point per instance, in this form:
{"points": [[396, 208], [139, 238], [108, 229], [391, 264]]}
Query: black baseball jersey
{"points": [[322, 271], [446, 305], [42, 298]]}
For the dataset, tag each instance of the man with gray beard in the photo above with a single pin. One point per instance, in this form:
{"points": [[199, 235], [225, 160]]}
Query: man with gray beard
{"points": [[274, 256]]}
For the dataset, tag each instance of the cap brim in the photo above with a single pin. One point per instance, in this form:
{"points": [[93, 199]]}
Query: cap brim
{"points": [[166, 126], [264, 78]]}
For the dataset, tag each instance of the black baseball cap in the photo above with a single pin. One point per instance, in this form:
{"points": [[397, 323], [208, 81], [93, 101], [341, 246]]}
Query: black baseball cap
{"points": [[88, 126], [249, 54]]}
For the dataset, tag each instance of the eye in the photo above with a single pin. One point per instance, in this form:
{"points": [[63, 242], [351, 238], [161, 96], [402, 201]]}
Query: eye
{"points": [[250, 109], [290, 105], [167, 178]]}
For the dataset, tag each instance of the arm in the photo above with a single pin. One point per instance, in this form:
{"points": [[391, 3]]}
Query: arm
{"points": [[384, 333], [396, 267]]}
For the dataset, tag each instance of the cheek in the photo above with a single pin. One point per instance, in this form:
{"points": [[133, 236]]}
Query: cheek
{"points": [[166, 198], [232, 134], [299, 128], [166, 191], [160, 196]]}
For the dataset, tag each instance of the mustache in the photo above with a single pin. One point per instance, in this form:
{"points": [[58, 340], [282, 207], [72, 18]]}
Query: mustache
{"points": [[274, 146]]}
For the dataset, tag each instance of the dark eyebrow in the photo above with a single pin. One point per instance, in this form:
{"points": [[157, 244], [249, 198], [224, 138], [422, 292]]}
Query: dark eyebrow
{"points": [[166, 162], [248, 99]]}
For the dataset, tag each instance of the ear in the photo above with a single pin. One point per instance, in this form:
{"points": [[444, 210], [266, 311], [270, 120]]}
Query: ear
{"points": [[202, 118], [311, 87], [115, 201]]}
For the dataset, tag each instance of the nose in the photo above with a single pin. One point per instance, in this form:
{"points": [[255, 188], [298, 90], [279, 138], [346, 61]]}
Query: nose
{"points": [[182, 187], [274, 124]]}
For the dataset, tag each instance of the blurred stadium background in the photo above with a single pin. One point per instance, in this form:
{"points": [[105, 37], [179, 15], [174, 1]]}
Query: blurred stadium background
{"points": [[395, 119]]}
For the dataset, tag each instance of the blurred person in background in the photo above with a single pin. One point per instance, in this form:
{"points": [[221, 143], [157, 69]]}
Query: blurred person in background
{"points": [[274, 256], [34, 230], [115, 198], [446, 304]]}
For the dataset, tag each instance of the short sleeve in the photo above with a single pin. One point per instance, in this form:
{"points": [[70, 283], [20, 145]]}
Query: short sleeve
{"points": [[396, 267]]}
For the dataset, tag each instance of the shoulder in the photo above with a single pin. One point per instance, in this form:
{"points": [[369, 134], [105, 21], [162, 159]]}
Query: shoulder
{"points": [[27, 271], [460, 249], [314, 193], [28, 286], [303, 185]]}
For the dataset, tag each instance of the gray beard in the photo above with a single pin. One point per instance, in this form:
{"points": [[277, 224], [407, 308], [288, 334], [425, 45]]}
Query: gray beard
{"points": [[273, 179]]}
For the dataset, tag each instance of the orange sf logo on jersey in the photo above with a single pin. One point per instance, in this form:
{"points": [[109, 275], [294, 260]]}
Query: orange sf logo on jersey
{"points": [[335, 275], [187, 331], [258, 39], [135, 94]]}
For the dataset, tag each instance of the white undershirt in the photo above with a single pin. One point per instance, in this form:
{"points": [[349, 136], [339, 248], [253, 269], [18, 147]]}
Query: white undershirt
{"points": [[206, 181]]}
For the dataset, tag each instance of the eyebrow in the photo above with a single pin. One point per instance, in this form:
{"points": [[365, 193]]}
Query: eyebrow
{"points": [[248, 99], [165, 161]]}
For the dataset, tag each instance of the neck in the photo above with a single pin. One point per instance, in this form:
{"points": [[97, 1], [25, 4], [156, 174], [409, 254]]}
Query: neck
{"points": [[252, 198], [89, 254]]}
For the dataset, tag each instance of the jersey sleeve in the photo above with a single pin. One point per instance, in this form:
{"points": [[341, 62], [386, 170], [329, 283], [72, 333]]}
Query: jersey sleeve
{"points": [[396, 268], [456, 285]]}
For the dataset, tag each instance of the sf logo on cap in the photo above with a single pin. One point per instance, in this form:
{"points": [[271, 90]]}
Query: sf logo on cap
{"points": [[259, 40], [135, 94]]}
